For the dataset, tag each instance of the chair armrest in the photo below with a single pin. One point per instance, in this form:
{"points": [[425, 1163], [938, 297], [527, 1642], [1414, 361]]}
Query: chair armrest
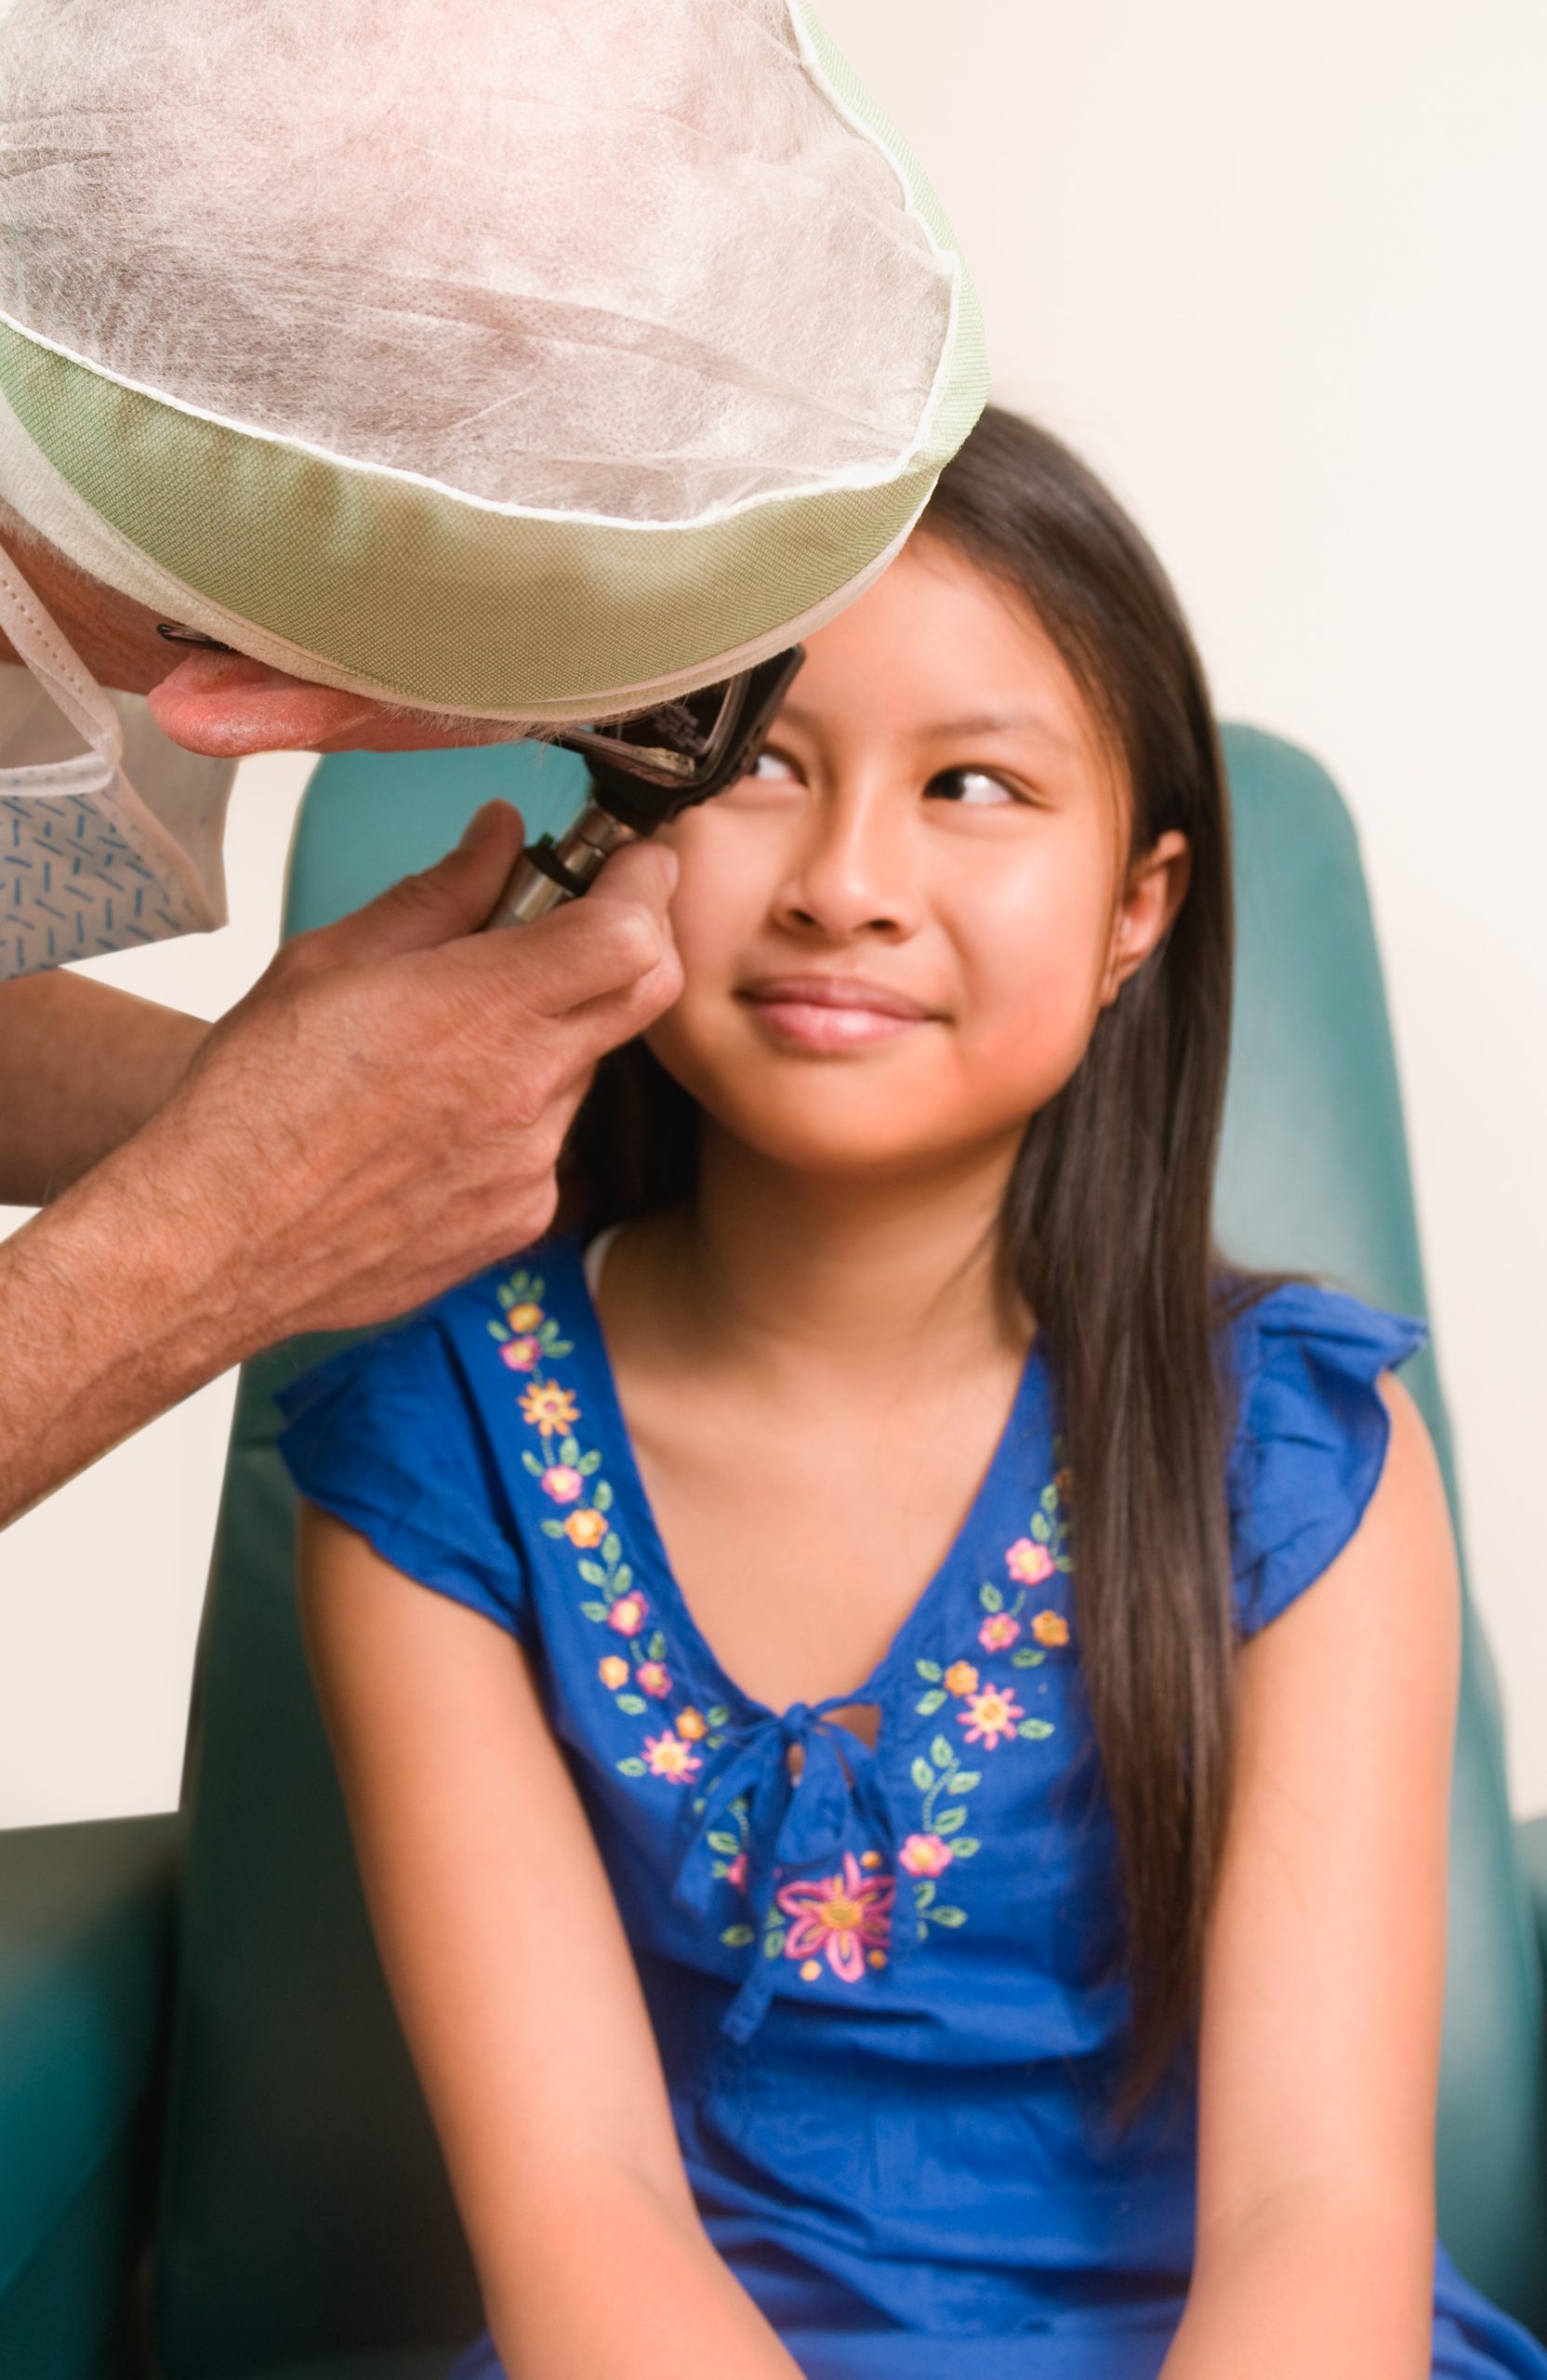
{"points": [[1530, 1842], [86, 1964]]}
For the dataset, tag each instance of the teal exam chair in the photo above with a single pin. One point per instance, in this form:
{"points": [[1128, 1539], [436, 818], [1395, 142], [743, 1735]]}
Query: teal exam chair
{"points": [[200, 2076]]}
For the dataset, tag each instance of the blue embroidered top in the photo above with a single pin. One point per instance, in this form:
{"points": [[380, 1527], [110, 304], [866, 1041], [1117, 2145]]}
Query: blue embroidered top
{"points": [[885, 1996]]}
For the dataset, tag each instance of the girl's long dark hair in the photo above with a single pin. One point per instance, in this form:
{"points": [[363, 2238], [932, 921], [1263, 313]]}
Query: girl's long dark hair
{"points": [[1106, 1230]]}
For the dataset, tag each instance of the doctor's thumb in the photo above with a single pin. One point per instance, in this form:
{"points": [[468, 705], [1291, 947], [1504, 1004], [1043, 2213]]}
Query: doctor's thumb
{"points": [[440, 903]]}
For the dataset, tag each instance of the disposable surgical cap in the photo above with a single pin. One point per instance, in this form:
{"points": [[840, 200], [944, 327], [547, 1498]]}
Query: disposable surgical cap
{"points": [[497, 358]]}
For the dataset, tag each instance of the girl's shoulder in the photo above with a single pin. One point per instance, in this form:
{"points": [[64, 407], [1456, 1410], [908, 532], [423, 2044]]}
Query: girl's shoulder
{"points": [[1310, 1434]]}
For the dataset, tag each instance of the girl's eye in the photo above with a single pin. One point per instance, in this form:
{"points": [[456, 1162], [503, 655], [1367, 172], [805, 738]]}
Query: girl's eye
{"points": [[771, 768], [972, 786]]}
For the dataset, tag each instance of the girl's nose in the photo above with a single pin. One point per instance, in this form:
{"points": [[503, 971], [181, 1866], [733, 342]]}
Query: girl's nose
{"points": [[855, 873]]}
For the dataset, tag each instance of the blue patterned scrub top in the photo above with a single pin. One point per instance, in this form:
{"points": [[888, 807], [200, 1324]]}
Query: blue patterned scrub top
{"points": [[883, 1996]]}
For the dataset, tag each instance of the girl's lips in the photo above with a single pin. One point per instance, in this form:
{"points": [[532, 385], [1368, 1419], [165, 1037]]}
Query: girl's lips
{"points": [[832, 1013]]}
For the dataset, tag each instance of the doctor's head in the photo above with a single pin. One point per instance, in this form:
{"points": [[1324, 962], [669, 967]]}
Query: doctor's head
{"points": [[460, 370]]}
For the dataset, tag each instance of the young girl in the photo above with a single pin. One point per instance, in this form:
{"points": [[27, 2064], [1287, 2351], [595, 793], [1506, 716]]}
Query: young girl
{"points": [[909, 1838]]}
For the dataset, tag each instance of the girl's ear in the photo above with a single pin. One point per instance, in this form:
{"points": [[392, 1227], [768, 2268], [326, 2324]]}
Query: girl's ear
{"points": [[1156, 888]]}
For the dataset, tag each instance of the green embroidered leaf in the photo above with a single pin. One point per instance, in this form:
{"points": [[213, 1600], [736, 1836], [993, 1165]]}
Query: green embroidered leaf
{"points": [[569, 1451], [946, 1916], [592, 1572], [1064, 1562], [1049, 1498], [1040, 1528], [923, 1892], [553, 1529], [728, 1845], [1027, 1656], [588, 1463], [530, 1460], [965, 1845], [928, 1704], [736, 1938], [943, 1751], [700, 1805], [655, 1649], [923, 1933], [922, 1775], [602, 1497], [497, 1330], [612, 1547], [562, 1347], [931, 1672], [774, 1942], [633, 1766], [990, 1597], [1035, 1729], [589, 1610], [717, 1715], [623, 1578], [631, 1704], [950, 1821], [714, 1741], [963, 1781]]}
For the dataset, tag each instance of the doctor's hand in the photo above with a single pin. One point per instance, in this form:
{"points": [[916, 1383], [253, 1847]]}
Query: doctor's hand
{"points": [[383, 1114], [380, 1116]]}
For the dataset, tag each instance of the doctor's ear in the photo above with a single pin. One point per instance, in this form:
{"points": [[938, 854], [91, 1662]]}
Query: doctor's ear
{"points": [[1156, 888], [226, 705]]}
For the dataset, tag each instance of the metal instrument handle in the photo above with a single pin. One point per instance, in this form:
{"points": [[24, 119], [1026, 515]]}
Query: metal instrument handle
{"points": [[550, 872]]}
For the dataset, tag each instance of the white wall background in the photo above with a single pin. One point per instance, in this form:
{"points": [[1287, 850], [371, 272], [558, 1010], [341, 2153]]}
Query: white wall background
{"points": [[1278, 270]]}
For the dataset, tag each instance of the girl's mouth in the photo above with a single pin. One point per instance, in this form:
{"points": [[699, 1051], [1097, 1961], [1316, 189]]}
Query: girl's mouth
{"points": [[831, 1013]]}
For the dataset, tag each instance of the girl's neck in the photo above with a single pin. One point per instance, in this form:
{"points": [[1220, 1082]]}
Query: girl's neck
{"points": [[769, 1264]]}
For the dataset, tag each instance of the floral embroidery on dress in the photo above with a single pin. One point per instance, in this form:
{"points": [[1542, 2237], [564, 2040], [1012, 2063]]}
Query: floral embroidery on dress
{"points": [[845, 1919], [988, 1711], [635, 1671]]}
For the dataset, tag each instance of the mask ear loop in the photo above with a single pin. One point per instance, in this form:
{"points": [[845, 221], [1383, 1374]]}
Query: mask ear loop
{"points": [[56, 665]]}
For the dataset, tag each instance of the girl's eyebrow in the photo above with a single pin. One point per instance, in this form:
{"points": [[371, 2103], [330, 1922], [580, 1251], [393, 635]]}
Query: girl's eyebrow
{"points": [[983, 722]]}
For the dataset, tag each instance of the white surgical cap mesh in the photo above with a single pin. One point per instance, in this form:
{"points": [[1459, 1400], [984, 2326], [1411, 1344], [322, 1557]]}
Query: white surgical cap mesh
{"points": [[597, 257]]}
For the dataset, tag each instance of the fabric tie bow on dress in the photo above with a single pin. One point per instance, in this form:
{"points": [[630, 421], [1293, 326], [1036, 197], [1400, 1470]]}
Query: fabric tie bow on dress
{"points": [[800, 1817]]}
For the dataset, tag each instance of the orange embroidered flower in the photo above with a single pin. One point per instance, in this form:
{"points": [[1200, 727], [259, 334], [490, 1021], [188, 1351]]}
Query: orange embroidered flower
{"points": [[960, 1678], [809, 1970], [523, 1317], [548, 1408], [669, 1756], [869, 1858], [521, 1354], [925, 1855], [613, 1670], [691, 1725], [990, 1716], [1029, 1562], [1051, 1628], [585, 1527], [1063, 1482], [628, 1614], [841, 1917], [998, 1630], [653, 1677], [563, 1482]]}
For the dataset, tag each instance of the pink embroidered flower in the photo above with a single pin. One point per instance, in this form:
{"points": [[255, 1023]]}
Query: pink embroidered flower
{"points": [[925, 1855], [563, 1482], [1028, 1562], [991, 1714], [1051, 1628], [691, 1725], [670, 1757], [585, 1527], [613, 1670], [549, 1408], [523, 1318], [997, 1632], [839, 1917], [653, 1677], [736, 1871], [628, 1614], [521, 1354], [960, 1678]]}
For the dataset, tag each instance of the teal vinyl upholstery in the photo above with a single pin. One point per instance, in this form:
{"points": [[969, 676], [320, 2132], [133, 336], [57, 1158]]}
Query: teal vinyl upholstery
{"points": [[304, 2228]]}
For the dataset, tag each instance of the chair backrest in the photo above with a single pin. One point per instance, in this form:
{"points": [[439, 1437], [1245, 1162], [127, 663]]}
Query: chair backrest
{"points": [[305, 2209]]}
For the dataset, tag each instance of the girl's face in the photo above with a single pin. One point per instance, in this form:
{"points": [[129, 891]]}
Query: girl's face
{"points": [[897, 933]]}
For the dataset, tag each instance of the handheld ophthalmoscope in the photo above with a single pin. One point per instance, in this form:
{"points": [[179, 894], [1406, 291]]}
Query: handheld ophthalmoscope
{"points": [[642, 773]]}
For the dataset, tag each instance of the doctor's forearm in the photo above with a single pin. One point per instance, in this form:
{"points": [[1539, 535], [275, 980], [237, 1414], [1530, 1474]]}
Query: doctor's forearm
{"points": [[82, 1066]]}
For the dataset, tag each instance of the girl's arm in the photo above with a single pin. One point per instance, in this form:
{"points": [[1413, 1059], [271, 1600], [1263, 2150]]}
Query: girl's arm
{"points": [[1325, 1968], [516, 1988]]}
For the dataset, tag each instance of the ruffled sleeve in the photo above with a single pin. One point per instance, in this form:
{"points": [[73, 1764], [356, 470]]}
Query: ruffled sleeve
{"points": [[383, 1436], [1310, 1436]]}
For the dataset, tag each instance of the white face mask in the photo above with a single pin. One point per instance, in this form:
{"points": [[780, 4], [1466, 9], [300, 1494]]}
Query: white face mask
{"points": [[85, 866]]}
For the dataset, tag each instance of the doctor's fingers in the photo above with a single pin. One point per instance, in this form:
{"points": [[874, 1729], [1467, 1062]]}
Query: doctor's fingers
{"points": [[438, 905]]}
